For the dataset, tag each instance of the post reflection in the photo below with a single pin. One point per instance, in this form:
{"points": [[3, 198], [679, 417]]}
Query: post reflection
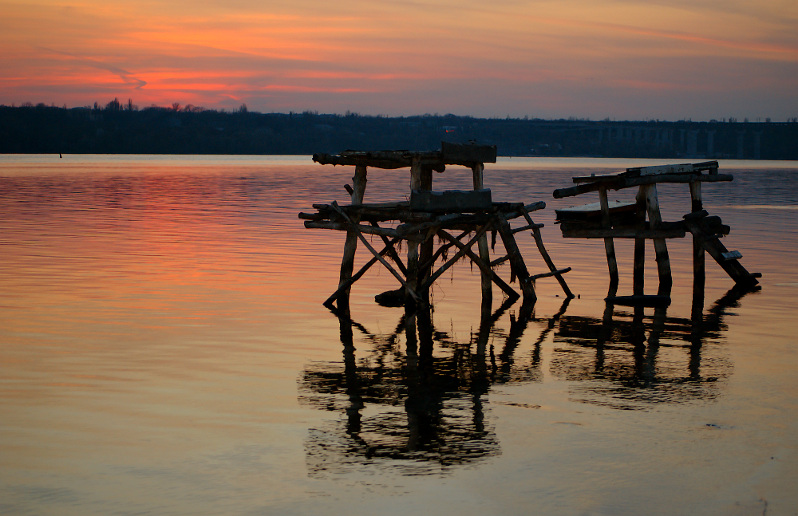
{"points": [[629, 359], [416, 399], [421, 407]]}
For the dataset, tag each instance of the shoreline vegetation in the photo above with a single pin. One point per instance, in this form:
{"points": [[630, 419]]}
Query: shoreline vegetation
{"points": [[123, 128]]}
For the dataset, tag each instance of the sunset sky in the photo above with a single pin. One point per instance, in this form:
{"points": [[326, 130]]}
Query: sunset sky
{"points": [[622, 59]]}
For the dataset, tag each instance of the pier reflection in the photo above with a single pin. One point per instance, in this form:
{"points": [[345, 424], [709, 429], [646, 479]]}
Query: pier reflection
{"points": [[631, 360], [416, 398]]}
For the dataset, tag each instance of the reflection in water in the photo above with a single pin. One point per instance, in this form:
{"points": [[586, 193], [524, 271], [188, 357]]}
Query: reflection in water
{"points": [[418, 407], [425, 411], [631, 360]]}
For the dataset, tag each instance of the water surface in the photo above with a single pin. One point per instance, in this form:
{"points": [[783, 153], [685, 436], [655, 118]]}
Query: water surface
{"points": [[164, 350]]}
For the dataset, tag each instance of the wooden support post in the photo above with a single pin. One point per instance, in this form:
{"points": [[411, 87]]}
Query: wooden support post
{"points": [[609, 244], [516, 260], [660, 247], [477, 170], [420, 179], [639, 266], [348, 260], [699, 257]]}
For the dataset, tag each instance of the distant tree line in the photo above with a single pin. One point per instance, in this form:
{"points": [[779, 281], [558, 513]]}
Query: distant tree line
{"points": [[123, 128]]}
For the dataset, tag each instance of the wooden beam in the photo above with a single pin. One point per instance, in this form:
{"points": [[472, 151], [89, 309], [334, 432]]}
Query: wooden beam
{"points": [[350, 246], [660, 247], [481, 264], [609, 244]]}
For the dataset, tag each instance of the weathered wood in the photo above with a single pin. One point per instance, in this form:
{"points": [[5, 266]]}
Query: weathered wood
{"points": [[408, 289], [517, 265], [389, 245], [482, 265], [528, 227], [478, 181], [341, 226], [627, 232], [420, 179], [639, 263], [545, 255], [342, 288], [699, 256], [609, 244], [626, 182], [451, 201], [594, 210], [460, 253], [550, 274], [660, 247], [350, 246]]}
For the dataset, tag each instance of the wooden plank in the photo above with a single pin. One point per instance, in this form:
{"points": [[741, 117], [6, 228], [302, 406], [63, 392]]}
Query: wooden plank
{"points": [[627, 182], [451, 201], [683, 168], [594, 210], [570, 231]]}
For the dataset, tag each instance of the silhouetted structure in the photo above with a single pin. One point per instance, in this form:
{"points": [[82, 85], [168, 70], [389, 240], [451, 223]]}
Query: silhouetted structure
{"points": [[641, 219], [428, 215]]}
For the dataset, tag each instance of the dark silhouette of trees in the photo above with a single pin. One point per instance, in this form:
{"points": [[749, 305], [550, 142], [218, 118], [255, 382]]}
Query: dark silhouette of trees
{"points": [[189, 129]]}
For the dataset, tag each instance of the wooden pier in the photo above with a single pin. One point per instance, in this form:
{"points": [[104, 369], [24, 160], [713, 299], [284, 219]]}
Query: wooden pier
{"points": [[459, 219], [642, 220]]}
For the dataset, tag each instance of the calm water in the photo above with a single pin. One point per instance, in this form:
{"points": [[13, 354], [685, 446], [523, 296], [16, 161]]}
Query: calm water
{"points": [[164, 350]]}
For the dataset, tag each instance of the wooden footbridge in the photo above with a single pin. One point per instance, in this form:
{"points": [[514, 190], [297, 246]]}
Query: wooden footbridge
{"points": [[459, 219], [641, 220]]}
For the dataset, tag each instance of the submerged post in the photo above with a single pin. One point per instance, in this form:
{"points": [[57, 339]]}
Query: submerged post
{"points": [[350, 247], [477, 170]]}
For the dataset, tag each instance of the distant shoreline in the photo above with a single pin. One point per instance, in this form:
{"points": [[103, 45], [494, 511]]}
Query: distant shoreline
{"points": [[52, 130]]}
